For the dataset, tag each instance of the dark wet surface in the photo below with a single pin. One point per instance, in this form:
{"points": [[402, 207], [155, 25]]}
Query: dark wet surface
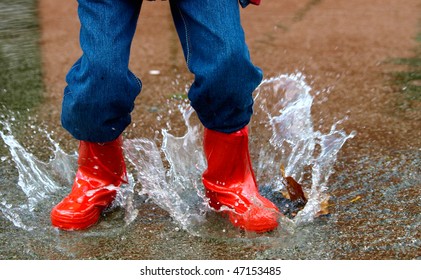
{"points": [[375, 190]]}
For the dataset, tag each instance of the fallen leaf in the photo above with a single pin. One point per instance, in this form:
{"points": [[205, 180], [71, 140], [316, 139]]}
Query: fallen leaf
{"points": [[355, 199], [324, 207], [295, 190]]}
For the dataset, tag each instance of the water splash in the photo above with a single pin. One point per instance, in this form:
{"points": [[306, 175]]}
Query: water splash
{"points": [[35, 178], [294, 144], [282, 119], [281, 134], [42, 184], [175, 188], [36, 181]]}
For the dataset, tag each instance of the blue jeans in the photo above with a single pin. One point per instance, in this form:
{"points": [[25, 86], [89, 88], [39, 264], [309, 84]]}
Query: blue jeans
{"points": [[101, 90]]}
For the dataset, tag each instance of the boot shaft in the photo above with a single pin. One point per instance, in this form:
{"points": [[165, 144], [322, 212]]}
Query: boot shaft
{"points": [[230, 182], [228, 157], [102, 160]]}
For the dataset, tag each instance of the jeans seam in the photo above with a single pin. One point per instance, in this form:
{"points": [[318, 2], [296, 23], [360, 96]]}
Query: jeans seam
{"points": [[187, 37], [137, 79]]}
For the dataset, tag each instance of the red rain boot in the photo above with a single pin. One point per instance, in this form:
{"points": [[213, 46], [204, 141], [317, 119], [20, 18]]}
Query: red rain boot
{"points": [[101, 170], [229, 181]]}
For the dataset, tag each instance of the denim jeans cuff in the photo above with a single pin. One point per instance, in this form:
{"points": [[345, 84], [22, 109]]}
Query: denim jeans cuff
{"points": [[244, 3]]}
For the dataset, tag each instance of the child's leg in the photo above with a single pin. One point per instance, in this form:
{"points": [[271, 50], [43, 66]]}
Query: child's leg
{"points": [[225, 78], [216, 52], [101, 90], [96, 108]]}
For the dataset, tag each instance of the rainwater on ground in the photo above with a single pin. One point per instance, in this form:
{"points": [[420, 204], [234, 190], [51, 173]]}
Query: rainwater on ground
{"points": [[370, 186]]}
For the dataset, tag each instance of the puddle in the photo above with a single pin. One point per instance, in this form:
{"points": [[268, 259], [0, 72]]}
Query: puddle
{"points": [[168, 173]]}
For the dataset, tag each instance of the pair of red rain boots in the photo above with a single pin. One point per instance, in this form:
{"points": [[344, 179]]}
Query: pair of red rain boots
{"points": [[229, 183]]}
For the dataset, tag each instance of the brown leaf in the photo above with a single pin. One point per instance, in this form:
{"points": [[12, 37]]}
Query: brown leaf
{"points": [[358, 197], [295, 190], [295, 193], [324, 207]]}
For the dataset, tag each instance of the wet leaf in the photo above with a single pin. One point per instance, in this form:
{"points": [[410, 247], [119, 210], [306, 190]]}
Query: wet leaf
{"points": [[296, 194], [355, 199], [324, 207], [295, 190]]}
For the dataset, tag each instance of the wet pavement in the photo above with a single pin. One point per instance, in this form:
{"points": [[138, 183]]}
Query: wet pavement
{"points": [[344, 48]]}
